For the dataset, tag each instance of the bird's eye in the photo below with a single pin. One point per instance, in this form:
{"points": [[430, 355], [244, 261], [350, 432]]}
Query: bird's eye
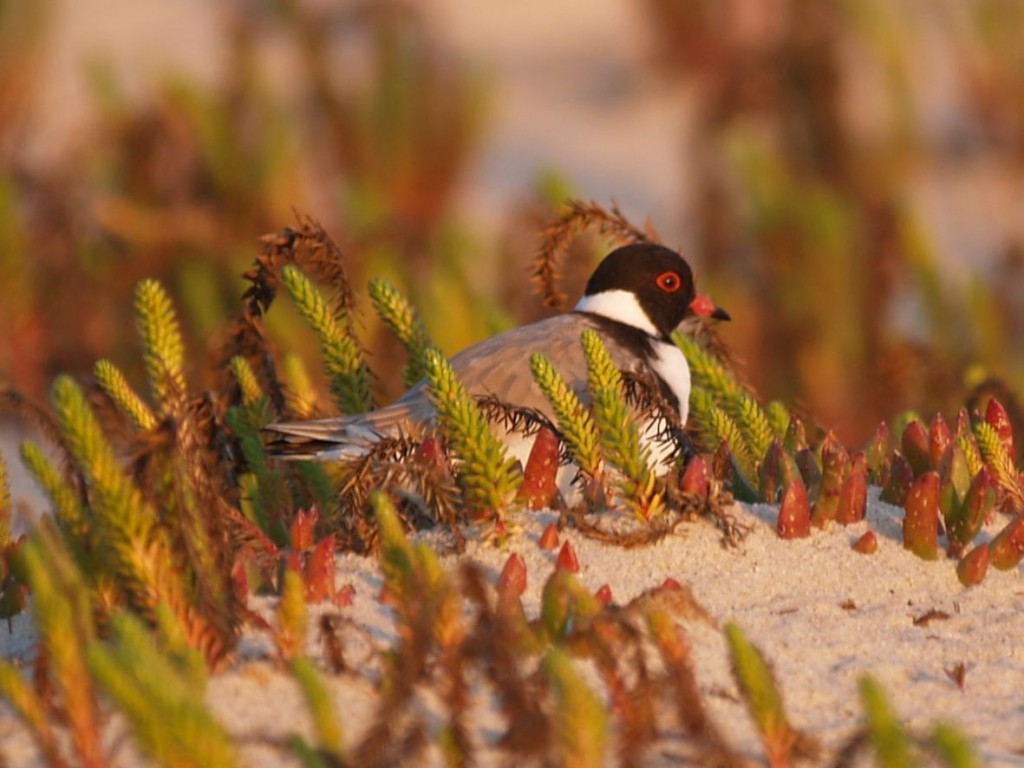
{"points": [[669, 282]]}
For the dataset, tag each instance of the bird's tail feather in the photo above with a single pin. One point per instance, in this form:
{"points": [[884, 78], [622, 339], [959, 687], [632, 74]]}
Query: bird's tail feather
{"points": [[323, 440]]}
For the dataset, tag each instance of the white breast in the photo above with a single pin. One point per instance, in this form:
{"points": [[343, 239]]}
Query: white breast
{"points": [[670, 364]]}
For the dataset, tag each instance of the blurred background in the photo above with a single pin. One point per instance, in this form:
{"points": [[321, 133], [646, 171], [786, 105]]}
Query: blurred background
{"points": [[846, 177]]}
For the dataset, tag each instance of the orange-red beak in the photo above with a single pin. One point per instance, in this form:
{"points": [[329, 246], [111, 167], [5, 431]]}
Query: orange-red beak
{"points": [[702, 306]]}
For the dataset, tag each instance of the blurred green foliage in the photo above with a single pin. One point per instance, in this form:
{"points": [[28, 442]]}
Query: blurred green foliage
{"points": [[816, 136], [811, 142]]}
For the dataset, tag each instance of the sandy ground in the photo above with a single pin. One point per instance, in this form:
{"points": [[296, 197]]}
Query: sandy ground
{"points": [[823, 614]]}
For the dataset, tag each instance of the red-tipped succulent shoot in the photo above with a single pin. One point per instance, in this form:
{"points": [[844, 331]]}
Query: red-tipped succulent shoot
{"points": [[670, 584], [796, 436], [939, 439], [999, 419], [431, 452], [901, 477], [604, 594], [567, 560], [513, 576], [696, 477], [549, 538], [921, 523], [319, 571], [834, 462], [876, 451], [953, 470], [867, 544], [963, 423], [853, 497], [916, 447], [770, 472], [301, 532], [972, 567], [794, 512], [1007, 548], [539, 487], [966, 517], [810, 469]]}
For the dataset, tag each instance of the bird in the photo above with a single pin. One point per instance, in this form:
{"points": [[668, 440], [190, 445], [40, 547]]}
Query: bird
{"points": [[636, 297]]}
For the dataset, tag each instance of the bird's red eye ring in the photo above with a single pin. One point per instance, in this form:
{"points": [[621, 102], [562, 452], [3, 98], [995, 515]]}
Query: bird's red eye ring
{"points": [[669, 282]]}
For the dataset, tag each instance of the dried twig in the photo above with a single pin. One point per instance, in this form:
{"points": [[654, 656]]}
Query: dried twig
{"points": [[558, 234]]}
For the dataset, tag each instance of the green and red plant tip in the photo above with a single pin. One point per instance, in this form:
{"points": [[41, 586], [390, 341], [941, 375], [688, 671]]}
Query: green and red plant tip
{"points": [[964, 517], [549, 538], [901, 478], [921, 523], [834, 464], [916, 446], [777, 470], [795, 439], [867, 544], [512, 579], [876, 451], [430, 452], [954, 471], [1007, 548], [809, 470], [853, 497], [567, 560], [696, 478], [318, 571], [539, 487], [301, 533], [963, 423], [973, 566], [997, 417], [604, 594], [939, 439], [770, 472], [795, 512]]}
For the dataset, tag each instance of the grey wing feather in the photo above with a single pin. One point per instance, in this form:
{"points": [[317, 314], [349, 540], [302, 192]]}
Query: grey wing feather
{"points": [[496, 366]]}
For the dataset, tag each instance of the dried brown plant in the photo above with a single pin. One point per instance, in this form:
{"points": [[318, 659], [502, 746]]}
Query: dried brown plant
{"points": [[556, 237]]}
